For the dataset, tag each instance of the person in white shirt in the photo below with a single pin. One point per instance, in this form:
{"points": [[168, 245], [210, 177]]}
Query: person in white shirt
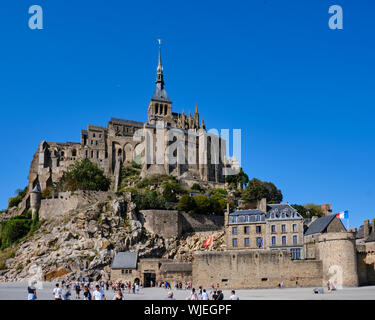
{"points": [[233, 296], [57, 292], [98, 294], [193, 295], [204, 295]]}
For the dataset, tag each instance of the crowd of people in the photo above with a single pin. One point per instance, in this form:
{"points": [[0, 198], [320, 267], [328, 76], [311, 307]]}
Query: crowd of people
{"points": [[86, 290]]}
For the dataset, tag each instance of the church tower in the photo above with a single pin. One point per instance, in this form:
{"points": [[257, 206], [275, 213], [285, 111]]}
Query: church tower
{"points": [[160, 107]]}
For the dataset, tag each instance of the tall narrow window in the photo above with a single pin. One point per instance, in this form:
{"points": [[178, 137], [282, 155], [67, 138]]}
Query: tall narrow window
{"points": [[258, 229], [273, 228], [234, 230], [156, 108], [273, 240], [283, 240], [294, 239], [234, 242], [246, 242], [259, 242], [283, 228], [294, 228], [246, 230]]}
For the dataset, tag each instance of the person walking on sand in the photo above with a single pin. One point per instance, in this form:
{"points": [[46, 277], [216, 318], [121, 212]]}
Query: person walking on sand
{"points": [[234, 296], [193, 295], [57, 292]]}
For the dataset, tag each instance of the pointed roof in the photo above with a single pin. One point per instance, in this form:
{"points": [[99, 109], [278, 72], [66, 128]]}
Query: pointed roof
{"points": [[125, 260], [160, 94], [319, 225]]}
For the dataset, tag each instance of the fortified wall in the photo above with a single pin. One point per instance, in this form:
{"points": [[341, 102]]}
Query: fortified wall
{"points": [[67, 201], [254, 269], [171, 223]]}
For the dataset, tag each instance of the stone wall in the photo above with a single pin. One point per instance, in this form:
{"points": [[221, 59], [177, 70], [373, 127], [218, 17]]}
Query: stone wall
{"points": [[366, 263], [254, 269], [162, 222], [199, 223], [171, 223], [67, 201]]}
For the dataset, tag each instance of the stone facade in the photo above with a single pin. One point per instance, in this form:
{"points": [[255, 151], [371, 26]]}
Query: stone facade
{"points": [[273, 226], [155, 270], [172, 224], [67, 201], [199, 155], [254, 269]]}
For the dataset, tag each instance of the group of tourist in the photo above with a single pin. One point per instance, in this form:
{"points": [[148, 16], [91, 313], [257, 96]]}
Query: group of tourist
{"points": [[96, 291], [177, 285], [204, 295]]}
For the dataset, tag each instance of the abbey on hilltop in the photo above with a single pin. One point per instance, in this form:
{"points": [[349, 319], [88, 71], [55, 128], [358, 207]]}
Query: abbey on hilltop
{"points": [[114, 146]]}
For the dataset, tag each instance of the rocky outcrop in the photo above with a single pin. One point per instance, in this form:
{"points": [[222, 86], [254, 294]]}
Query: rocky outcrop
{"points": [[83, 243]]}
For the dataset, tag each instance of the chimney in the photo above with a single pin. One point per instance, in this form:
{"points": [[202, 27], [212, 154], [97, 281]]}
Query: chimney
{"points": [[366, 229], [226, 215], [262, 205]]}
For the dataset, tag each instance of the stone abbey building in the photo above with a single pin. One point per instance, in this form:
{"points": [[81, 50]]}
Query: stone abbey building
{"points": [[199, 155]]}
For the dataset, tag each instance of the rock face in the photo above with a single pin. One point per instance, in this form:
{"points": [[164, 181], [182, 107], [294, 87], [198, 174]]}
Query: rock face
{"points": [[83, 243]]}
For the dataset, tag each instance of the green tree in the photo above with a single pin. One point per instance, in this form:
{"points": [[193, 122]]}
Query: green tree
{"points": [[150, 200], [257, 189], [170, 190], [83, 175], [309, 210], [197, 187], [218, 205], [240, 179], [15, 201], [186, 204], [202, 203]]}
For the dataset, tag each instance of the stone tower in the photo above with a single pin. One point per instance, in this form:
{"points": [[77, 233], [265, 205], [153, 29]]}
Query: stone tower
{"points": [[160, 106], [35, 199], [337, 251]]}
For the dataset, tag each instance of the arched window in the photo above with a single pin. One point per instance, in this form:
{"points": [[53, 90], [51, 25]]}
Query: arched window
{"points": [[74, 153], [161, 109], [156, 108], [165, 109]]}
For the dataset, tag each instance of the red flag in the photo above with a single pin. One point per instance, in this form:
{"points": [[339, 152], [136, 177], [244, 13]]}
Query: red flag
{"points": [[208, 242]]}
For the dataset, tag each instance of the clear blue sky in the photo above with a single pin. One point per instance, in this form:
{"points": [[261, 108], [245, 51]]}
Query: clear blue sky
{"points": [[302, 94]]}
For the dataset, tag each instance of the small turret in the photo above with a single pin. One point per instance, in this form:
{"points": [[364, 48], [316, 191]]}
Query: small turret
{"points": [[35, 199]]}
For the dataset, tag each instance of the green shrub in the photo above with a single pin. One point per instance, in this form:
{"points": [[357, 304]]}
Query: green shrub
{"points": [[150, 200], [202, 203], [83, 175], [15, 201], [197, 187], [186, 204], [220, 192], [257, 189], [16, 228]]}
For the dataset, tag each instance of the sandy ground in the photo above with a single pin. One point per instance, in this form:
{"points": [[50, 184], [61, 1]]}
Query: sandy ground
{"points": [[17, 291]]}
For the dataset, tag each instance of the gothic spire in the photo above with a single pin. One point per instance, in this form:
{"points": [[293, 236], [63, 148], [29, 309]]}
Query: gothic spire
{"points": [[160, 94], [159, 71]]}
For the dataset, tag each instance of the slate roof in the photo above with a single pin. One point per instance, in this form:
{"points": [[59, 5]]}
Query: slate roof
{"points": [[125, 260], [246, 212], [160, 95], [127, 122], [319, 225], [277, 210]]}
